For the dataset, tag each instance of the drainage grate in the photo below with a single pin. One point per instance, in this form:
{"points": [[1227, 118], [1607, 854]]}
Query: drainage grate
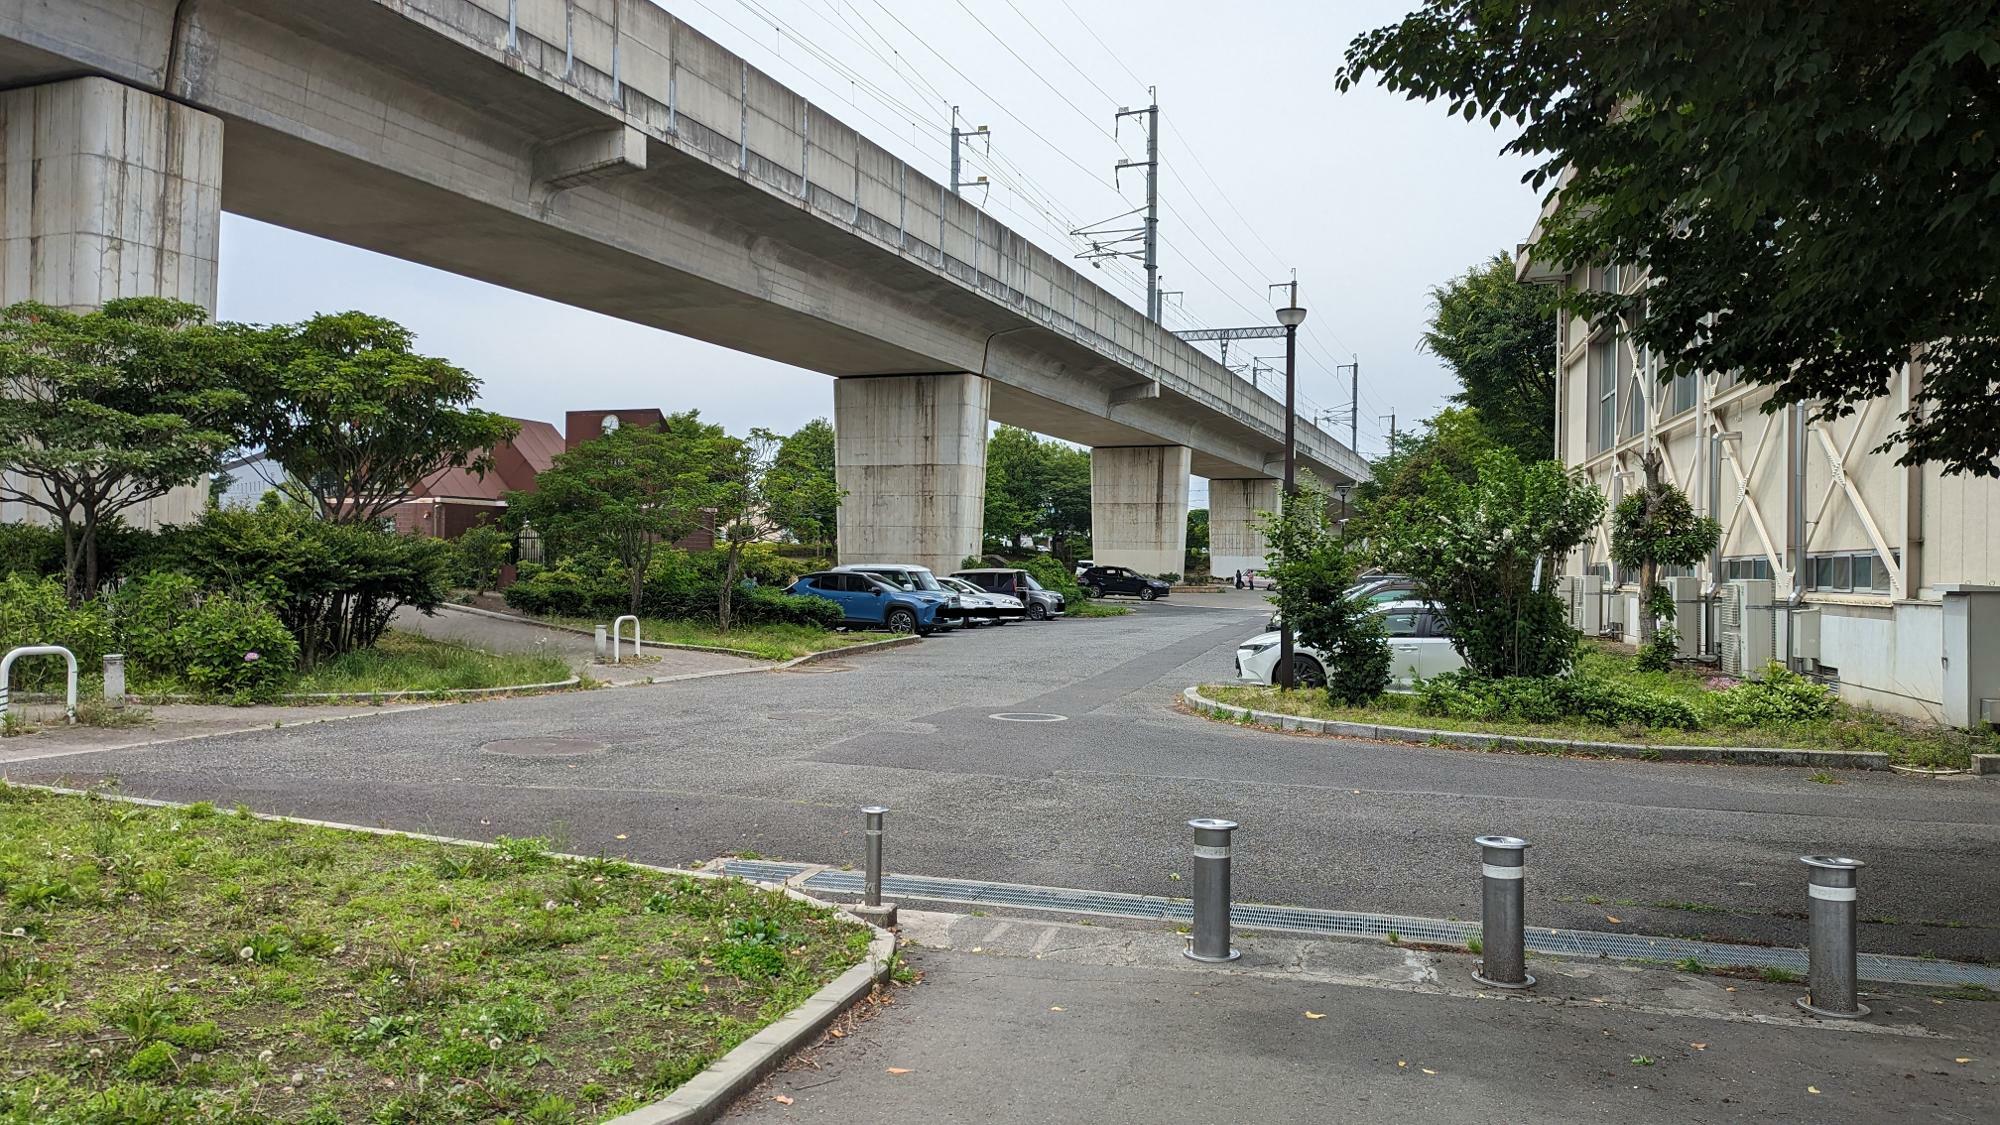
{"points": [[1340, 923]]}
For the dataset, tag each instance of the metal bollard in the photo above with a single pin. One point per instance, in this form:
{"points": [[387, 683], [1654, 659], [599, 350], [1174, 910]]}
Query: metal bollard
{"points": [[1830, 973], [114, 680], [1503, 950], [603, 645], [872, 877], [1210, 940]]}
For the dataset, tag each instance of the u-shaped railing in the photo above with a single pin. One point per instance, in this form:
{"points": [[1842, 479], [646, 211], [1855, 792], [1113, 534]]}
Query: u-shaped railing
{"points": [[7, 674]]}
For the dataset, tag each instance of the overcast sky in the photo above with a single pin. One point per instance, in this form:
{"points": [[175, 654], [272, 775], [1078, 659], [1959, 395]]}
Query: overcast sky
{"points": [[1266, 168]]}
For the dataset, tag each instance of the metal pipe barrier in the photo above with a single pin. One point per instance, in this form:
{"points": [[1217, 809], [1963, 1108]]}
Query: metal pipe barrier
{"points": [[1830, 970], [1502, 940], [1210, 939], [871, 886], [637, 648], [7, 673]]}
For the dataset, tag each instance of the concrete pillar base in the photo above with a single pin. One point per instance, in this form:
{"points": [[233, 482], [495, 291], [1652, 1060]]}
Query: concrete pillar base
{"points": [[910, 454], [883, 915], [1236, 511], [1138, 507]]}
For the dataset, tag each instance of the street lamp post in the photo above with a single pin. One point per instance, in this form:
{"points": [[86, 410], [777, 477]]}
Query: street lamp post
{"points": [[1291, 316]]}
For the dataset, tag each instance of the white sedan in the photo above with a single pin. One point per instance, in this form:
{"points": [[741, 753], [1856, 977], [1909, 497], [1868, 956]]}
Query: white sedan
{"points": [[1418, 646], [984, 605]]}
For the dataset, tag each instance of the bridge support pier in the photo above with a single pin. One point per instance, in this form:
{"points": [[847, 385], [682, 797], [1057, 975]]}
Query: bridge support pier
{"points": [[1236, 524], [1138, 507], [910, 454], [107, 191]]}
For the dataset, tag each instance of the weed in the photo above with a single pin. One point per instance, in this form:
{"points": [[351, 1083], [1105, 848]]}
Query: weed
{"points": [[1690, 907], [1776, 974], [1475, 944], [1594, 900], [1822, 777], [1690, 964], [154, 1060], [1394, 938], [1642, 1060]]}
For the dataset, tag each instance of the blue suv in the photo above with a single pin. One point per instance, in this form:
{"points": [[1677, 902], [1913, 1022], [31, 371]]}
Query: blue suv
{"points": [[867, 600]]}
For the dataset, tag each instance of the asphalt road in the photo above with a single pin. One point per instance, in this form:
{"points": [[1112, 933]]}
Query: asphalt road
{"points": [[776, 763]]}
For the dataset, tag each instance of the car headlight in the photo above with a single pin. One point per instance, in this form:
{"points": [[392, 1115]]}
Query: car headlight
{"points": [[1252, 650]]}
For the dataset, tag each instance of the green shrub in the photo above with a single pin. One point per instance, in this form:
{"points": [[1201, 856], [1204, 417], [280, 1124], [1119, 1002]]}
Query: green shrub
{"points": [[146, 611], [767, 605], [1780, 697], [154, 1060], [1548, 699], [37, 551], [478, 555], [334, 586], [34, 611], [1054, 574], [236, 647], [571, 587]]}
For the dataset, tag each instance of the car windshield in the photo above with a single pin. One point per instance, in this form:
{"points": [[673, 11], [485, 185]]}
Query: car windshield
{"points": [[924, 579], [893, 578], [960, 585], [1030, 582]]}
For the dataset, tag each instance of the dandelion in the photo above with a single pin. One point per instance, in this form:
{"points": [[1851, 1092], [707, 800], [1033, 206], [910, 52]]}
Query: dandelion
{"points": [[493, 1043]]}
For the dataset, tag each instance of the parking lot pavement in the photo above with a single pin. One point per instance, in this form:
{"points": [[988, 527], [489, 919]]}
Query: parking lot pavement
{"points": [[1020, 1021], [1097, 796]]}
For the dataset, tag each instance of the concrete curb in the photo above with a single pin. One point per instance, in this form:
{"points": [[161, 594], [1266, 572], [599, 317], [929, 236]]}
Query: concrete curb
{"points": [[443, 693], [1470, 740], [1987, 765], [768, 664], [707, 1095]]}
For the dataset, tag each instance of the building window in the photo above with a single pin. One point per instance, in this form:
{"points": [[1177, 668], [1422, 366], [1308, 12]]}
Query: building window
{"points": [[1681, 394], [1635, 395], [1849, 572], [1758, 567], [1603, 376]]}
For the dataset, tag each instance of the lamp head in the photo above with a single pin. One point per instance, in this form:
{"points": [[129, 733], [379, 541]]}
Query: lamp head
{"points": [[1291, 316]]}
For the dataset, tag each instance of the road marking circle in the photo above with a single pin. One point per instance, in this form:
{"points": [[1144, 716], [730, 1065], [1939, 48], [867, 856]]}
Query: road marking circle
{"points": [[1029, 717]]}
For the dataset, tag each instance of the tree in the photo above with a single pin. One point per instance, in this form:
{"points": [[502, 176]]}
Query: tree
{"points": [[629, 491], [1498, 335], [747, 487], [1808, 187], [1452, 440], [363, 420], [102, 411], [802, 494], [1197, 529], [1478, 547], [1312, 567], [1655, 527], [1036, 486]]}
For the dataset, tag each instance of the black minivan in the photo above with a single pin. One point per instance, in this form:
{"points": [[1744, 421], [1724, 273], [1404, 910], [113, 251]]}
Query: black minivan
{"points": [[1102, 580], [1040, 604]]}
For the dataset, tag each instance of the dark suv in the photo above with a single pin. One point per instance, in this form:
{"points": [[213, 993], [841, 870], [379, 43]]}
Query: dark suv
{"points": [[1102, 580], [1040, 604]]}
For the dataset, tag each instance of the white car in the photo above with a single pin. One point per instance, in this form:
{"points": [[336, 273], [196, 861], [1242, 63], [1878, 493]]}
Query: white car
{"points": [[1418, 646], [983, 606]]}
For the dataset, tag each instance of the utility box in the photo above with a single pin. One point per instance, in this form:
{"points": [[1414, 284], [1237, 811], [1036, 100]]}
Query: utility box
{"points": [[1686, 593], [1746, 626], [1583, 594]]}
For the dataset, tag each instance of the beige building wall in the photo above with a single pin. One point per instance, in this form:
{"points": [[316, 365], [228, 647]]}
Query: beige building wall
{"points": [[1885, 554]]}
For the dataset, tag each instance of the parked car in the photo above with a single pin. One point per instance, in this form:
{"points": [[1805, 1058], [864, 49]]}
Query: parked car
{"points": [[1018, 584], [1102, 580], [916, 580], [982, 607], [1374, 590], [866, 600], [1419, 645], [1084, 564]]}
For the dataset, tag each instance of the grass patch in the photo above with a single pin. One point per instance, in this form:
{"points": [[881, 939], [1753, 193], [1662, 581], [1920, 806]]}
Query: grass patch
{"points": [[408, 662], [1087, 608], [188, 964], [767, 642], [1907, 742]]}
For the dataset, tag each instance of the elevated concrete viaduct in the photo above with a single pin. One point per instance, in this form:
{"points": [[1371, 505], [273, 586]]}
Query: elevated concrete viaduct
{"points": [[605, 154]]}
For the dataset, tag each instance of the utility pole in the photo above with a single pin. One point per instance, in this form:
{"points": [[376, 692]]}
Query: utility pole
{"points": [[1391, 419], [1147, 233], [1353, 403], [1290, 317], [958, 134]]}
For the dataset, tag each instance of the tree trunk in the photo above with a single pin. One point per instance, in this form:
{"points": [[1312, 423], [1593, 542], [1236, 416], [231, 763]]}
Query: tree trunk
{"points": [[1649, 569]]}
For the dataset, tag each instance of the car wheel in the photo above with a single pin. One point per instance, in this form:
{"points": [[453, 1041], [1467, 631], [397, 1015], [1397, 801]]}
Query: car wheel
{"points": [[1306, 672], [1096, 589], [1148, 594], [901, 621], [1038, 612]]}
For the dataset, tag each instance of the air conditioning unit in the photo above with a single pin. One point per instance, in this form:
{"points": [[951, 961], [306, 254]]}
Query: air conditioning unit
{"points": [[1583, 594], [1686, 592], [1746, 626]]}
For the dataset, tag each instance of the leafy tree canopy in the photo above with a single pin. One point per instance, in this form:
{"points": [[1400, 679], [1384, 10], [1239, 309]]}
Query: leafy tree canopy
{"points": [[1499, 338], [1811, 188], [801, 490], [102, 411], [362, 419], [1477, 547], [1312, 567], [631, 490], [1452, 440], [1036, 486]]}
